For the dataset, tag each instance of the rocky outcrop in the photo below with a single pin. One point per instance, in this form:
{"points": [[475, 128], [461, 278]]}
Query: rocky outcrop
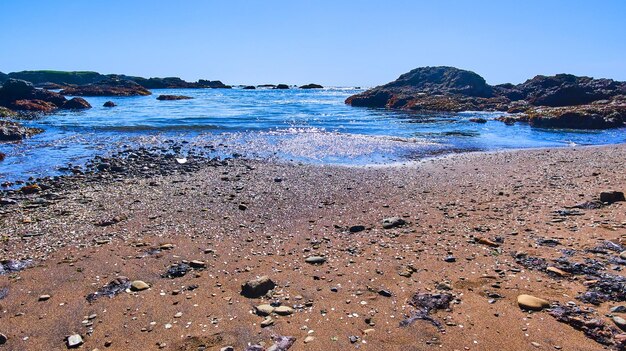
{"points": [[213, 84], [282, 86], [561, 101], [21, 95], [173, 97], [76, 103], [13, 131], [312, 86], [109, 104], [249, 87], [3, 77], [108, 87]]}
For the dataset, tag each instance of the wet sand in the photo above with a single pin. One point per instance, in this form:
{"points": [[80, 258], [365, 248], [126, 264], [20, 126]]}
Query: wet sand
{"points": [[251, 218]]}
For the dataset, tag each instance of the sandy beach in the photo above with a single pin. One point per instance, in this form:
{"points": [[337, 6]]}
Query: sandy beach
{"points": [[471, 220]]}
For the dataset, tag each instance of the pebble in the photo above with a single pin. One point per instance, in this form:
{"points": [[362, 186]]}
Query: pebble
{"points": [[283, 310], [531, 302], [74, 340], [315, 259], [44, 297], [264, 310], [618, 309], [620, 322], [557, 271], [139, 285], [622, 255], [227, 348], [309, 339], [3, 339], [393, 222], [197, 264], [268, 321]]}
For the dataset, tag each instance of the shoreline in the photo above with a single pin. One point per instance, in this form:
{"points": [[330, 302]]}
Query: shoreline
{"points": [[245, 219]]}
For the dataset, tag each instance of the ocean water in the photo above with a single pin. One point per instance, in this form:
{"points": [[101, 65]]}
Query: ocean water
{"points": [[310, 126]]}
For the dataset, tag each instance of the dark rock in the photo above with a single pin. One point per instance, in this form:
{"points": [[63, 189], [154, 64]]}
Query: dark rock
{"points": [[312, 86], [356, 228], [12, 266], [2, 156], [21, 95], [173, 97], [76, 103], [249, 87], [266, 86], [109, 104], [108, 87], [115, 287], [3, 339], [612, 196], [13, 131], [213, 84], [578, 117], [177, 271], [257, 287], [282, 86], [478, 120]]}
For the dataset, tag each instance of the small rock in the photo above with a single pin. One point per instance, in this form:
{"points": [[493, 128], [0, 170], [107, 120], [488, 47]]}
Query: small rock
{"points": [[44, 297], [353, 339], [109, 104], [3, 339], [268, 321], [257, 287], [315, 259], [197, 264], [450, 259], [227, 348], [487, 242], [557, 271], [74, 341], [618, 309], [283, 310], [393, 222], [611, 196], [264, 310], [356, 228], [530, 302], [309, 339], [139, 285], [620, 322], [385, 293]]}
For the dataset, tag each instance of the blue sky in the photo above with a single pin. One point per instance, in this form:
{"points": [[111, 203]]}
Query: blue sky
{"points": [[356, 42]]}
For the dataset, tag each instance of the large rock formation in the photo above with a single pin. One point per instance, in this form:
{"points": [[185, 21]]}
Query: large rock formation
{"points": [[3, 77], [562, 101], [108, 87], [21, 95]]}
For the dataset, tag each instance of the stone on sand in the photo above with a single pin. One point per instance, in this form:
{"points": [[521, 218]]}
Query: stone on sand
{"points": [[139, 285], [257, 287], [530, 302]]}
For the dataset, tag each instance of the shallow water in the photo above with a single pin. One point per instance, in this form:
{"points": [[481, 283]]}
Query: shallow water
{"points": [[311, 126]]}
